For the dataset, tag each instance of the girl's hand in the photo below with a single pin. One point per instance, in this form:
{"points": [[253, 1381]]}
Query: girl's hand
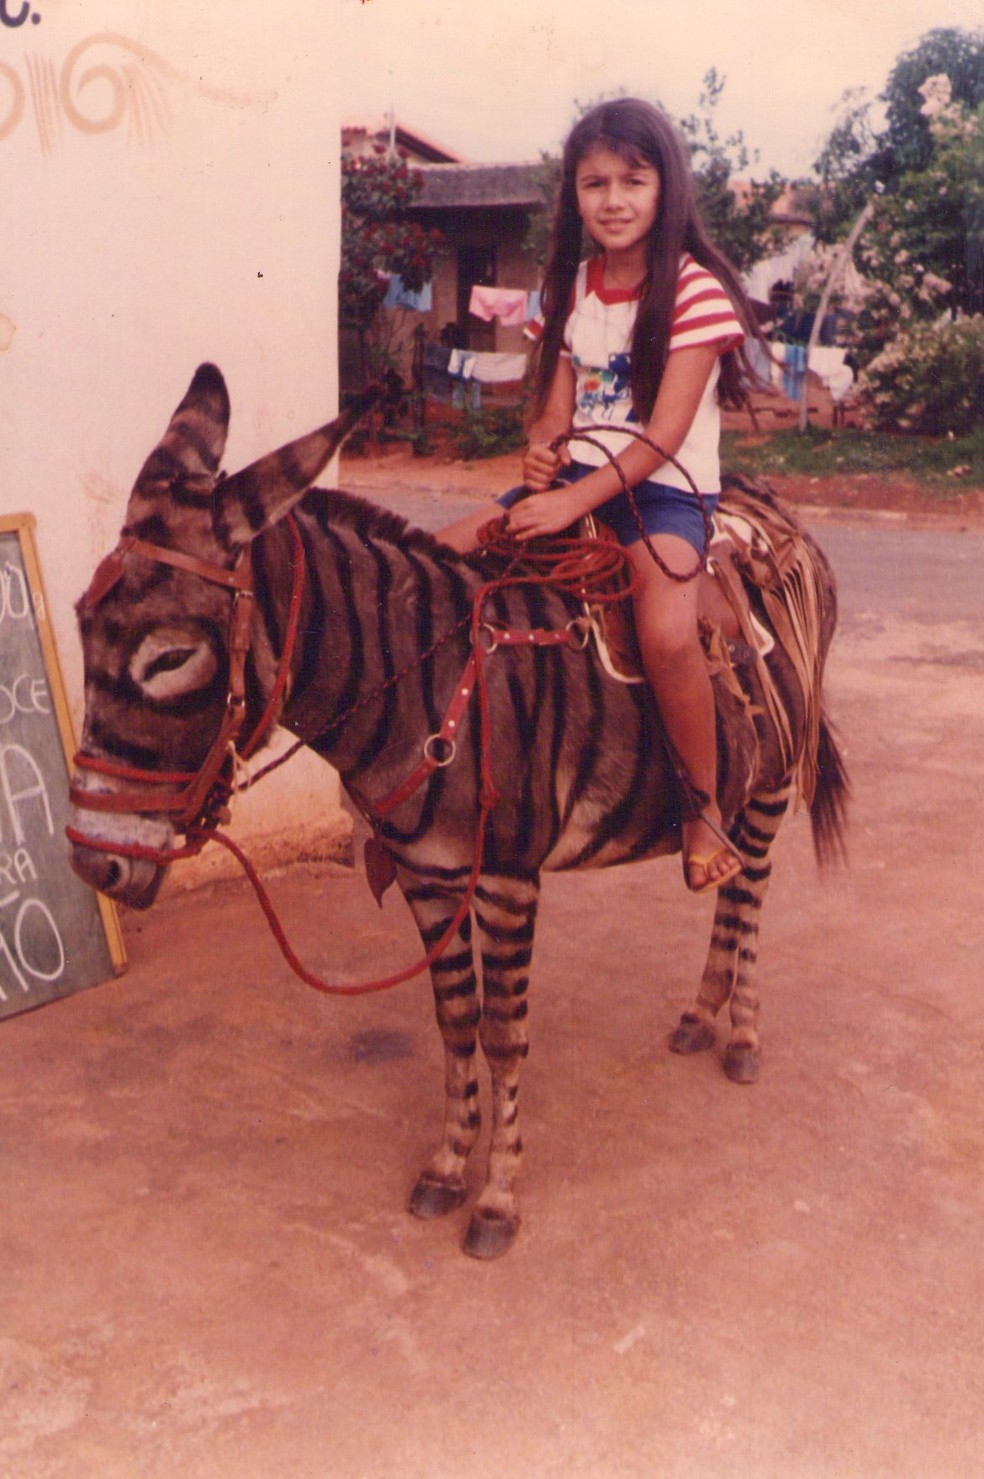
{"points": [[544, 513], [541, 465]]}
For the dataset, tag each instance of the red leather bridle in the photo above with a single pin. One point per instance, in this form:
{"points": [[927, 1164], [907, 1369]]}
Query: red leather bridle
{"points": [[195, 802]]}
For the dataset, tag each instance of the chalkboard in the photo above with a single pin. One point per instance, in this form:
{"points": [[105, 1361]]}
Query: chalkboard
{"points": [[56, 935]]}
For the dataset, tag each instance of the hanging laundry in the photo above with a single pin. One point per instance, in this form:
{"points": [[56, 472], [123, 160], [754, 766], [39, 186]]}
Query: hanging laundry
{"points": [[795, 369], [499, 369], [761, 361], [461, 364], [827, 361], [398, 296], [508, 305], [436, 382]]}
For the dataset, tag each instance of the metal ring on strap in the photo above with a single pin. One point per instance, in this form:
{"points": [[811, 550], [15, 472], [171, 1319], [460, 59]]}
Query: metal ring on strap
{"points": [[581, 627], [441, 739]]}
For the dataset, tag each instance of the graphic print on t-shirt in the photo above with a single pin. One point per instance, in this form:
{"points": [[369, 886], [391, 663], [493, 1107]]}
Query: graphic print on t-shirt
{"points": [[605, 394]]}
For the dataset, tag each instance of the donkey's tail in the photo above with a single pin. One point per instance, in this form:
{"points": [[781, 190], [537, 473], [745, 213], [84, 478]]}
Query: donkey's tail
{"points": [[828, 810]]}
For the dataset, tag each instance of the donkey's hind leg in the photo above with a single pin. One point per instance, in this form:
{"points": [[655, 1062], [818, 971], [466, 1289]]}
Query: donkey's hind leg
{"points": [[440, 1188], [730, 968]]}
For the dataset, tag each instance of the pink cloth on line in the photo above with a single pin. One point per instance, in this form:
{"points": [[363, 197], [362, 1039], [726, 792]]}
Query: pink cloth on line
{"points": [[508, 305]]}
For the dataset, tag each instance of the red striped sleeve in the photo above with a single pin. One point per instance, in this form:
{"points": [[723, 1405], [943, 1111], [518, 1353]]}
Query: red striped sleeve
{"points": [[703, 313]]}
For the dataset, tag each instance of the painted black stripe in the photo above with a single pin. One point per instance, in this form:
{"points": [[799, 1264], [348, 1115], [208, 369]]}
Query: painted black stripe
{"points": [[504, 990], [616, 820], [108, 742], [737, 923], [446, 964], [768, 808], [506, 934], [502, 961], [382, 653], [459, 992]]}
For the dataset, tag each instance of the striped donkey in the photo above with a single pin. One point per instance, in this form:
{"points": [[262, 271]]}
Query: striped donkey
{"points": [[579, 764]]}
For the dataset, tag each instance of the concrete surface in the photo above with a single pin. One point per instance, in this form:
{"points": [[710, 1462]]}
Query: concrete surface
{"points": [[206, 1270]]}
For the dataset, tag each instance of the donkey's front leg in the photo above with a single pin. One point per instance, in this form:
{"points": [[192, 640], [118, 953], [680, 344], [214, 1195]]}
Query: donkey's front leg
{"points": [[441, 1185], [729, 974], [506, 915]]}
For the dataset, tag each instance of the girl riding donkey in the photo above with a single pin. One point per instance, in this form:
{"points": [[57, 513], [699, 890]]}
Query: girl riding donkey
{"points": [[649, 332]]}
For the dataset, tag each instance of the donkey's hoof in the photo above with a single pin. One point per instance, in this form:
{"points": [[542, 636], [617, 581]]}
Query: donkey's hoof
{"points": [[741, 1063], [432, 1197], [691, 1035], [490, 1233]]}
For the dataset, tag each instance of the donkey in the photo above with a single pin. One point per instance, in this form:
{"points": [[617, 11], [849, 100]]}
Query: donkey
{"points": [[580, 768]]}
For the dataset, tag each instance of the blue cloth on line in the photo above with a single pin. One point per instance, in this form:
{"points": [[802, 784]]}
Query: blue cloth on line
{"points": [[398, 296]]}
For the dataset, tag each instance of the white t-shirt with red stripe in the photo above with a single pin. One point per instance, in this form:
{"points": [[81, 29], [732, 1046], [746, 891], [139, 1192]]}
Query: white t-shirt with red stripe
{"points": [[597, 340]]}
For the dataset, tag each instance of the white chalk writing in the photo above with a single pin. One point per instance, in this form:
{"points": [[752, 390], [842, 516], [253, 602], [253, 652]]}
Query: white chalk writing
{"points": [[25, 695], [30, 944], [21, 783], [14, 601]]}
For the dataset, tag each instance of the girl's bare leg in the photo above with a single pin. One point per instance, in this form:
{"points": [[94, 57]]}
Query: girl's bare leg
{"points": [[462, 535], [666, 624]]}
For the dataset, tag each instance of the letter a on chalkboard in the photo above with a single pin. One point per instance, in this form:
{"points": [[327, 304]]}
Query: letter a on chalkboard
{"points": [[56, 935]]}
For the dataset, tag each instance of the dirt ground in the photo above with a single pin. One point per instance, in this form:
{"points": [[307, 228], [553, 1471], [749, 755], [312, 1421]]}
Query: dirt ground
{"points": [[207, 1271]]}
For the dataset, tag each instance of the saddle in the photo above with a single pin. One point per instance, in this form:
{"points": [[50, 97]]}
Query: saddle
{"points": [[755, 545]]}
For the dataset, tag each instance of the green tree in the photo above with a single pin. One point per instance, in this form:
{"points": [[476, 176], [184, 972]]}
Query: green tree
{"points": [[907, 143], [847, 167], [741, 226], [924, 249]]}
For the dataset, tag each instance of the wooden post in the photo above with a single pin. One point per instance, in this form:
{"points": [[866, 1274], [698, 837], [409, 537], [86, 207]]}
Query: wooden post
{"points": [[837, 267]]}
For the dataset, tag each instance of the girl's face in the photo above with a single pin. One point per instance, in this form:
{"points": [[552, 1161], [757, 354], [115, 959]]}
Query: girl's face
{"points": [[618, 201]]}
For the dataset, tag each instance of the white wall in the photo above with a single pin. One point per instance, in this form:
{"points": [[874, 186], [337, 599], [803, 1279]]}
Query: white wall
{"points": [[169, 194]]}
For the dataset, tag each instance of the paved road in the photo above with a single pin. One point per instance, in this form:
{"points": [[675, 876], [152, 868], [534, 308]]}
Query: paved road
{"points": [[889, 572]]}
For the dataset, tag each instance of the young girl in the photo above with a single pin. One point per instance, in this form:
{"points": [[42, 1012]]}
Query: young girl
{"points": [[648, 331]]}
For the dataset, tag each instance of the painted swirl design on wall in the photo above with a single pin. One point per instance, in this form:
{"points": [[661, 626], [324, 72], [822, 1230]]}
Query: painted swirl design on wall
{"points": [[12, 98], [107, 82]]}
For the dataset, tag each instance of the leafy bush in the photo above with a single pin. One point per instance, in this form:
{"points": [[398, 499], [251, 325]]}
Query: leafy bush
{"points": [[489, 433], [929, 379]]}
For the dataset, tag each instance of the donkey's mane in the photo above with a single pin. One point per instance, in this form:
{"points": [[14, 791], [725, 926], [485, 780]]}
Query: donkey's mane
{"points": [[369, 520]]}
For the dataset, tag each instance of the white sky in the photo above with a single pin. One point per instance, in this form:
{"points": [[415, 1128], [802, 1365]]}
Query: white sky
{"points": [[497, 79]]}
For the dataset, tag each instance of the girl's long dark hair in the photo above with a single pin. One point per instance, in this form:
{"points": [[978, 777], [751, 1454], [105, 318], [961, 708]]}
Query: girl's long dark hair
{"points": [[640, 134]]}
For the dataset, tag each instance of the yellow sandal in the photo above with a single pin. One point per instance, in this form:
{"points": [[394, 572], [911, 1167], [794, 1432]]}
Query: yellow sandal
{"points": [[696, 860]]}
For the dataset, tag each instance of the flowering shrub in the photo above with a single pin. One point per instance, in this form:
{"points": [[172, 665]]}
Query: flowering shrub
{"points": [[915, 292], [377, 236], [929, 379], [924, 246]]}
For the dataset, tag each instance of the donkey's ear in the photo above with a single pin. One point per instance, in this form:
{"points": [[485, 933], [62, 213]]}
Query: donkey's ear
{"points": [[191, 448], [259, 495]]}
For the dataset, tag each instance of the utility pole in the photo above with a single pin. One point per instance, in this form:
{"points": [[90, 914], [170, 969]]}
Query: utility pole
{"points": [[841, 259]]}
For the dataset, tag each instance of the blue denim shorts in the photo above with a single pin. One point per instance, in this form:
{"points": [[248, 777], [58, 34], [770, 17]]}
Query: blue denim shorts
{"points": [[663, 509]]}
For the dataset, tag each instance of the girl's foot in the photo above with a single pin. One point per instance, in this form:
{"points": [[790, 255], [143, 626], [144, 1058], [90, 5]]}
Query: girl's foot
{"points": [[710, 859]]}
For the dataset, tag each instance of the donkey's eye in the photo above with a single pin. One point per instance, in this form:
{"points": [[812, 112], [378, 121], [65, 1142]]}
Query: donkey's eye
{"points": [[169, 662], [165, 668]]}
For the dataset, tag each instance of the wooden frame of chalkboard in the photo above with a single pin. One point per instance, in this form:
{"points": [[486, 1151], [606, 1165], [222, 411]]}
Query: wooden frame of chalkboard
{"points": [[56, 935]]}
